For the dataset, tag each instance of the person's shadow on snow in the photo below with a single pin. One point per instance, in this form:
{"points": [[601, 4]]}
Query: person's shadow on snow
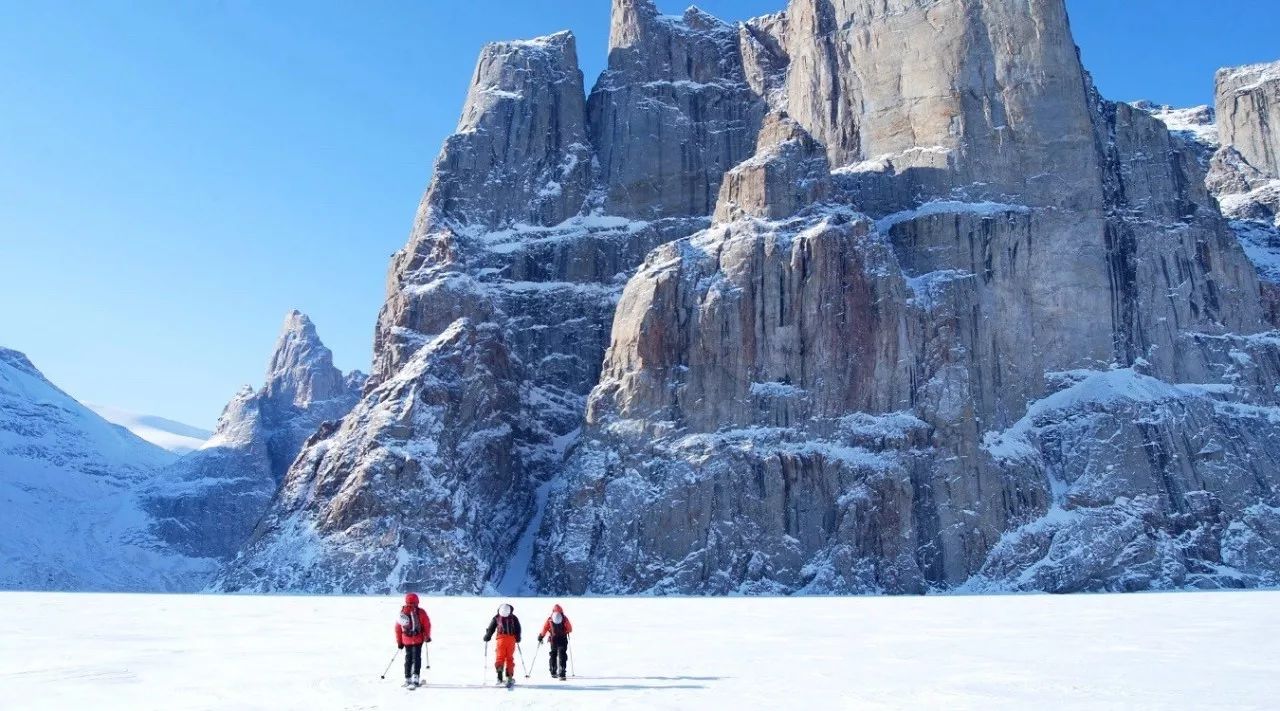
{"points": [[566, 686]]}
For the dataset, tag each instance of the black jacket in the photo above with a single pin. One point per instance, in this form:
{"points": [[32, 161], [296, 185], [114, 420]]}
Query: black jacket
{"points": [[503, 625]]}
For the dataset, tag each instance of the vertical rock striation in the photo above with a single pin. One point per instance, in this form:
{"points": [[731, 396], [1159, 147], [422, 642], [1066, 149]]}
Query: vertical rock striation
{"points": [[1244, 173], [672, 112], [1247, 104]]}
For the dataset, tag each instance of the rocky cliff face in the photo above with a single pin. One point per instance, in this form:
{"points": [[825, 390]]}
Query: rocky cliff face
{"points": [[1244, 173], [807, 405], [672, 112], [920, 314], [208, 502], [1247, 104], [1246, 188], [492, 335]]}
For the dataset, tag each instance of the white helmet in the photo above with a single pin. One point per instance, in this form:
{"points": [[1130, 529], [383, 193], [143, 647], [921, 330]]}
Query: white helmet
{"points": [[504, 609]]}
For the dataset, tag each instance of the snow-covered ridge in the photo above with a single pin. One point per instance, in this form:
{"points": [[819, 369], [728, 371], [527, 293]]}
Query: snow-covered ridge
{"points": [[1090, 388], [1251, 76], [1195, 122], [71, 488], [40, 421], [555, 40], [520, 236], [886, 161]]}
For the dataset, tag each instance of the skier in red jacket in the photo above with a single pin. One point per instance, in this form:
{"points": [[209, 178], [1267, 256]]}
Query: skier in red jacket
{"points": [[557, 627], [412, 630], [507, 626]]}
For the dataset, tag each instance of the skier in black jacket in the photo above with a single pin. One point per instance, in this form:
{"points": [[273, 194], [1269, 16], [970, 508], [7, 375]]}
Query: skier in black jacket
{"points": [[506, 626]]}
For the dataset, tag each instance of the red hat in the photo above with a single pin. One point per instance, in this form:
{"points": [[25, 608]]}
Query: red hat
{"points": [[411, 599], [557, 608]]}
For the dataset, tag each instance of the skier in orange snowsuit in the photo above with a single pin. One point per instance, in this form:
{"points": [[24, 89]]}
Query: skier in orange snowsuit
{"points": [[507, 627]]}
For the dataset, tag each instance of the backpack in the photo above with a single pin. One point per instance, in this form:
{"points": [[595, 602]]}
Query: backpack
{"points": [[410, 623], [505, 625]]}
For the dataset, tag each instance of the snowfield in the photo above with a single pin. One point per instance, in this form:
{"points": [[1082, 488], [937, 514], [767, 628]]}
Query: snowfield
{"points": [[1147, 651]]}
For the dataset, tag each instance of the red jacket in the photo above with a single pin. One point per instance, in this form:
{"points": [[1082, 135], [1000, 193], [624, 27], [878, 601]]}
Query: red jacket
{"points": [[406, 633], [560, 631]]}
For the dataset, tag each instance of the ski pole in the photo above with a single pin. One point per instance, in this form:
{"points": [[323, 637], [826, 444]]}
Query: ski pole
{"points": [[393, 661], [484, 673], [572, 669], [426, 655], [535, 660], [522, 665]]}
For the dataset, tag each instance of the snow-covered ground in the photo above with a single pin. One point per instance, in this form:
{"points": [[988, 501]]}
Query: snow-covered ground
{"points": [[1140, 651]]}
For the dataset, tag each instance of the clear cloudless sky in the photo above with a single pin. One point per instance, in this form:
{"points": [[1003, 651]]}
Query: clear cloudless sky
{"points": [[176, 176]]}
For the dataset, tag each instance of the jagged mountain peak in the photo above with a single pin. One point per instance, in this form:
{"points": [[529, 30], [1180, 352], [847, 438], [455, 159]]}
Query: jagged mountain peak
{"points": [[696, 18], [627, 17], [301, 370], [214, 496]]}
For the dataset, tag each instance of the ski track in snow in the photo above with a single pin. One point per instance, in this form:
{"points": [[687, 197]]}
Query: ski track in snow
{"points": [[1148, 651]]}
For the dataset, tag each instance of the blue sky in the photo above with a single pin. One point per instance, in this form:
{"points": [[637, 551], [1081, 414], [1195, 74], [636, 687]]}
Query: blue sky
{"points": [[178, 175]]}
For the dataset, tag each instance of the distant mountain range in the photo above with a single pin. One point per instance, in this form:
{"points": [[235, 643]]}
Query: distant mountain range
{"points": [[91, 503], [71, 495], [169, 434]]}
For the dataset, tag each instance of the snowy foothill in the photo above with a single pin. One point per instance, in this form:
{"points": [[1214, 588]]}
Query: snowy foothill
{"points": [[1147, 651]]}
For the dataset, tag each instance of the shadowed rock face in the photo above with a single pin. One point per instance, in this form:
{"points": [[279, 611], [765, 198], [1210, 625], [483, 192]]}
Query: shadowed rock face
{"points": [[807, 310], [788, 172]]}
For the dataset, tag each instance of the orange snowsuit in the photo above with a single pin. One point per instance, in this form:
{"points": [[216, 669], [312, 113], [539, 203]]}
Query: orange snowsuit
{"points": [[506, 655], [508, 632]]}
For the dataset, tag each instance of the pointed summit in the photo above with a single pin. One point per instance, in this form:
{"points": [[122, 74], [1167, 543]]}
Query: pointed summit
{"points": [[520, 153], [301, 370], [219, 492]]}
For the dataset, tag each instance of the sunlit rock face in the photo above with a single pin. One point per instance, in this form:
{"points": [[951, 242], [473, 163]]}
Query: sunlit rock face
{"points": [[859, 296]]}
